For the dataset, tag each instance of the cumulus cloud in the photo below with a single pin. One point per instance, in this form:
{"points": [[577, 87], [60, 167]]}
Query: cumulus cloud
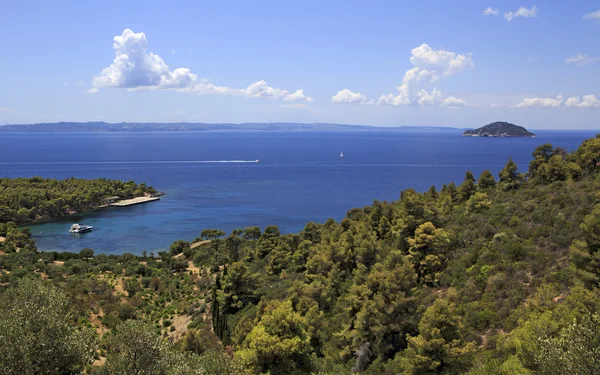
{"points": [[430, 66], [452, 101], [135, 68], [587, 101], [449, 63], [297, 95], [92, 90], [581, 59], [346, 96], [521, 12], [541, 102], [594, 15], [491, 12]]}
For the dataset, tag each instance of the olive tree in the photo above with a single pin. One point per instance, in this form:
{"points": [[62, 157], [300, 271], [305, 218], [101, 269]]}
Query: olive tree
{"points": [[38, 334]]}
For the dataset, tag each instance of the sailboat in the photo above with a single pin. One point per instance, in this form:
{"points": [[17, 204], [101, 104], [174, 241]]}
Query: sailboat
{"points": [[342, 155]]}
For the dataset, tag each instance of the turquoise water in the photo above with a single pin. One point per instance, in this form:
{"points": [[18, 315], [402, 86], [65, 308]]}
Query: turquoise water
{"points": [[300, 178]]}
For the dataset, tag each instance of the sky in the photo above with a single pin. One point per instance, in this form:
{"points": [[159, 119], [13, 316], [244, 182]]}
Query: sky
{"points": [[386, 63]]}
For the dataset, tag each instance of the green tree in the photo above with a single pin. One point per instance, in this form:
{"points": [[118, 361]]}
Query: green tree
{"points": [[591, 229], [136, 348], [467, 188], [211, 234], [86, 253], [178, 247], [588, 154], [37, 332], [509, 178], [233, 244], [541, 155], [237, 289], [384, 305], [575, 351], [252, 233], [279, 343], [478, 202], [427, 252], [486, 180], [439, 347]]}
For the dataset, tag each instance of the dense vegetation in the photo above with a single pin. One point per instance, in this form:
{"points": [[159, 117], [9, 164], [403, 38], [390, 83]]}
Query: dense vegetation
{"points": [[499, 129], [488, 277], [23, 200]]}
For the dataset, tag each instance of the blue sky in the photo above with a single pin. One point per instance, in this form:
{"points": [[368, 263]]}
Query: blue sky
{"points": [[387, 63]]}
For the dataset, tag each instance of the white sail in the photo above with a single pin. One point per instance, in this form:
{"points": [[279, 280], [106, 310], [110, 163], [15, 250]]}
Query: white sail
{"points": [[342, 154]]}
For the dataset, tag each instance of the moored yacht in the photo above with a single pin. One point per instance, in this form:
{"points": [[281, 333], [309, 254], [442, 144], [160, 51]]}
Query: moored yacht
{"points": [[77, 228]]}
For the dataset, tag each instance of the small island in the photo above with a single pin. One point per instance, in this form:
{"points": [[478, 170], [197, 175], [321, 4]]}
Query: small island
{"points": [[500, 129]]}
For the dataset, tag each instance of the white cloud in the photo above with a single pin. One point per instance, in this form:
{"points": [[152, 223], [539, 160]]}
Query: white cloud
{"points": [[588, 101], [522, 12], [540, 102], [65, 83], [449, 63], [346, 96], [298, 95], [435, 99], [532, 59], [430, 66], [80, 83], [135, 68], [594, 15], [491, 12], [452, 101], [581, 59], [92, 90]]}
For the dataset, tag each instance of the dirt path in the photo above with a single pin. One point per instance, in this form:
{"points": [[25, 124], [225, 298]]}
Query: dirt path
{"points": [[199, 243]]}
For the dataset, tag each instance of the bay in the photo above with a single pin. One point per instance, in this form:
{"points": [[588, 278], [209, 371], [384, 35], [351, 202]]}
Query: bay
{"points": [[211, 180]]}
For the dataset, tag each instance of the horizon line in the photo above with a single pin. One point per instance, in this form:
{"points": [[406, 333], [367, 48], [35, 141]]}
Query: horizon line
{"points": [[273, 123]]}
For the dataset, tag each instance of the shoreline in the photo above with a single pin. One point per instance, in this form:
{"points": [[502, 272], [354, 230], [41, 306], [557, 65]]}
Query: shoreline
{"points": [[67, 217]]}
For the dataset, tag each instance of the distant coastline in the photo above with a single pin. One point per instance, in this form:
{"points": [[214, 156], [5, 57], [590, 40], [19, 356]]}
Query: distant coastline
{"points": [[66, 127]]}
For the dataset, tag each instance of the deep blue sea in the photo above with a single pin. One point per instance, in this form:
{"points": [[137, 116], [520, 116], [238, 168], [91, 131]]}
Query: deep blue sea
{"points": [[300, 178]]}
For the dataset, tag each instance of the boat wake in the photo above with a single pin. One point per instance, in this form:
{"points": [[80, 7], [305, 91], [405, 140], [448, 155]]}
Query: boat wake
{"points": [[134, 162]]}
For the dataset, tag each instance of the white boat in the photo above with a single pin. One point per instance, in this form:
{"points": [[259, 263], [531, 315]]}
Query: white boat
{"points": [[342, 155], [77, 228]]}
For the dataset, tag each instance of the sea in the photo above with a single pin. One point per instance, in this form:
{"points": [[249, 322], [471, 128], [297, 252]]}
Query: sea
{"points": [[213, 179]]}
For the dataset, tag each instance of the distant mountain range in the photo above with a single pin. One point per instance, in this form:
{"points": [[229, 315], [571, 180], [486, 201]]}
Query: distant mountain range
{"points": [[186, 126]]}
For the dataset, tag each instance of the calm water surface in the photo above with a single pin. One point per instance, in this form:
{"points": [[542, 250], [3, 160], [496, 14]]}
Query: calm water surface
{"points": [[300, 178]]}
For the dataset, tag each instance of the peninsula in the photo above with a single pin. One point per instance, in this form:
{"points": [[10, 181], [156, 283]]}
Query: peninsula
{"points": [[499, 129], [27, 200]]}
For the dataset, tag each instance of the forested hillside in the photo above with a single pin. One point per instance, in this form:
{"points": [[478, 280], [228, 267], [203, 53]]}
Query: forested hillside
{"points": [[23, 200], [493, 276]]}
